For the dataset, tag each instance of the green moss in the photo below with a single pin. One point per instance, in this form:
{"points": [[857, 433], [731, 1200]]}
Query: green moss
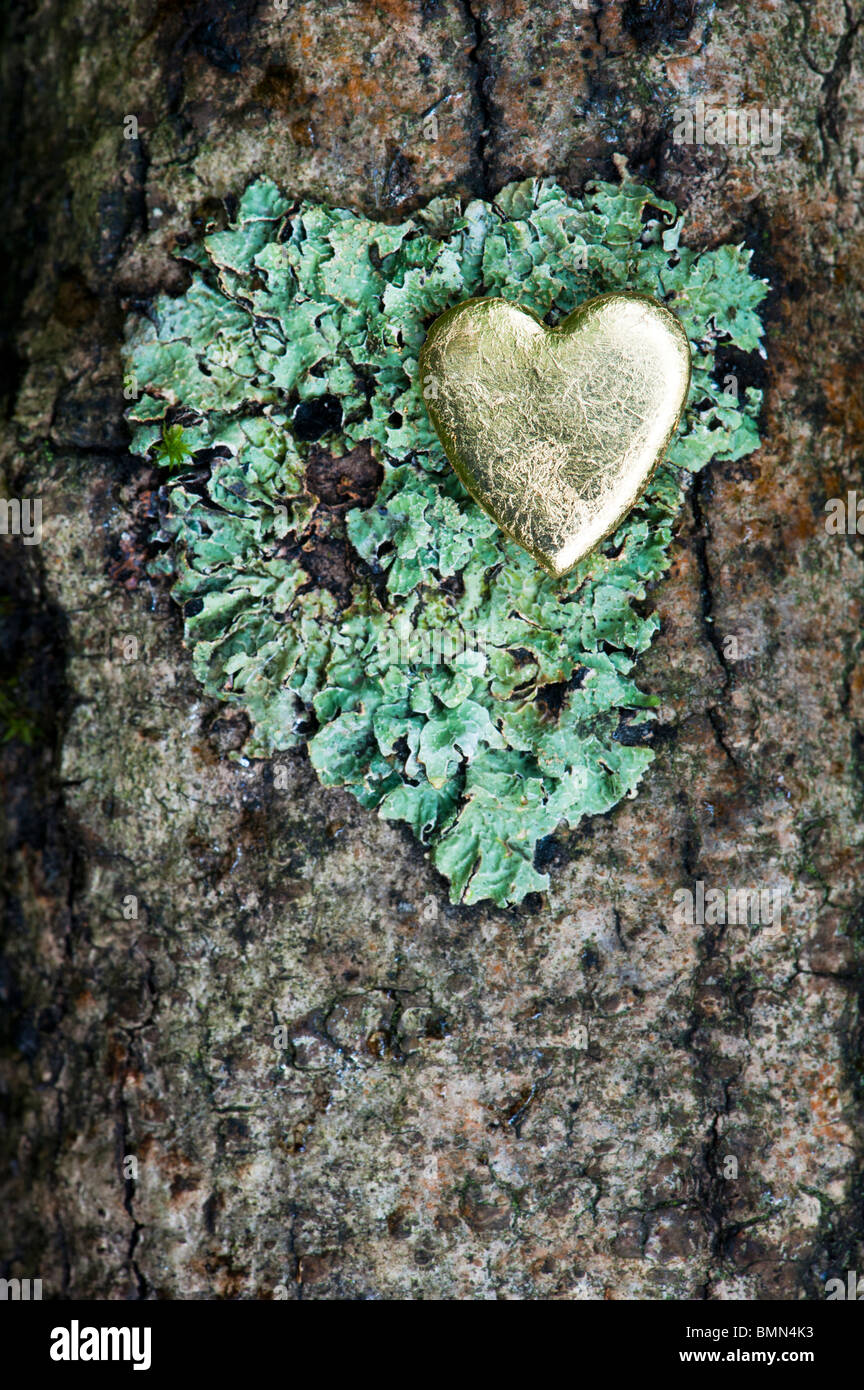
{"points": [[16, 721], [172, 451], [448, 682]]}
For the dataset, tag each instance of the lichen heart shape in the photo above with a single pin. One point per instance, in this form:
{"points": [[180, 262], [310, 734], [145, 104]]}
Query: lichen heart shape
{"points": [[428, 664], [556, 432]]}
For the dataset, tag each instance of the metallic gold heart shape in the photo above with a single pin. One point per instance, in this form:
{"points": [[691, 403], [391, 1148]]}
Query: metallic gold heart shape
{"points": [[556, 432]]}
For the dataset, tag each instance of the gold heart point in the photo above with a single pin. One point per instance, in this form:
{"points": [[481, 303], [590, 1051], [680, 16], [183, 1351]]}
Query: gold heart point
{"points": [[556, 432]]}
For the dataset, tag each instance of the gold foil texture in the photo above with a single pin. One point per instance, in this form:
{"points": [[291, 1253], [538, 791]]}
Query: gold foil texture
{"points": [[555, 432]]}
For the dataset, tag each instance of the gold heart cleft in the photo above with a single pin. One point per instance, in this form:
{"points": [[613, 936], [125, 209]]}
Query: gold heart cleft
{"points": [[556, 432]]}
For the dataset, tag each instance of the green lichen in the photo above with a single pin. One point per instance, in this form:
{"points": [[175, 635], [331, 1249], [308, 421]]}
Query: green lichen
{"points": [[446, 680]]}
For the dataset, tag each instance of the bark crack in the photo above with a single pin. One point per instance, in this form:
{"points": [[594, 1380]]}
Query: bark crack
{"points": [[706, 612], [829, 116], [482, 77]]}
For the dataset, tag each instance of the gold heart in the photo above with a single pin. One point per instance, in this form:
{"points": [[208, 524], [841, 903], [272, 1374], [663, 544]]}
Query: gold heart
{"points": [[555, 432]]}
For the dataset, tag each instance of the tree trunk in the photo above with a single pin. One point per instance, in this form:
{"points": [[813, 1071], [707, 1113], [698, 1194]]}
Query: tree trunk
{"points": [[441, 1131]]}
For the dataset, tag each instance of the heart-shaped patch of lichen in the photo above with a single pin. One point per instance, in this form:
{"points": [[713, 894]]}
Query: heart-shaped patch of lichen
{"points": [[337, 581]]}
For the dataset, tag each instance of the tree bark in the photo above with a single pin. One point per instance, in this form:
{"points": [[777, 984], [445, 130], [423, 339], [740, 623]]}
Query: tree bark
{"points": [[439, 1130]]}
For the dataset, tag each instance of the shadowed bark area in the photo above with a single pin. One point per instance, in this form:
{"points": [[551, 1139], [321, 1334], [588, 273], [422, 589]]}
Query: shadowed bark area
{"points": [[579, 1099]]}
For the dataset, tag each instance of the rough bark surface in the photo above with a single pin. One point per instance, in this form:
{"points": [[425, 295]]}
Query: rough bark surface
{"points": [[435, 1128]]}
